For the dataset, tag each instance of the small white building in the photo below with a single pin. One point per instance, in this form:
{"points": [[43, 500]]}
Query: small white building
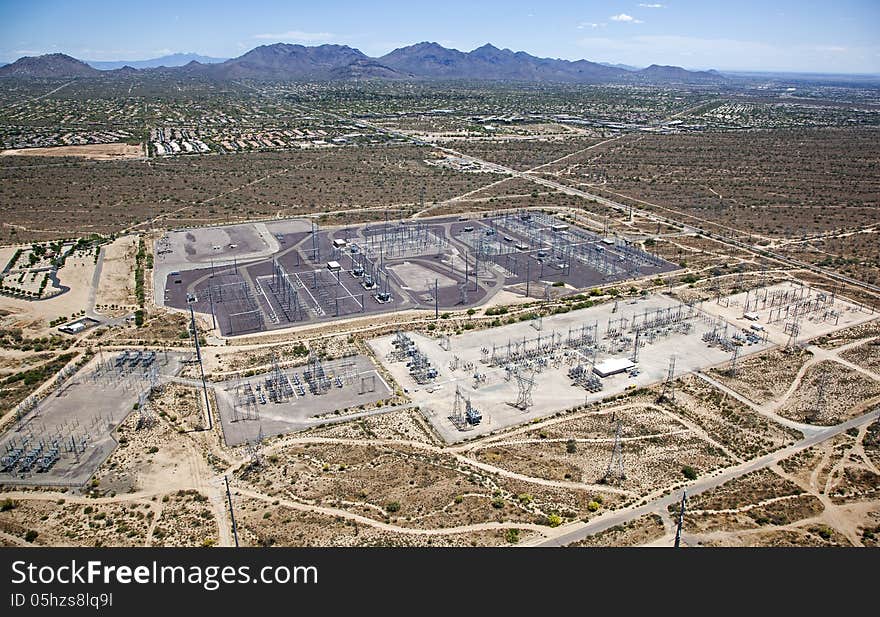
{"points": [[334, 266], [339, 243], [612, 366], [752, 316]]}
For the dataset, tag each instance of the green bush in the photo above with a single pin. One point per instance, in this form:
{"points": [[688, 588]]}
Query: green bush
{"points": [[394, 506], [824, 532], [689, 472]]}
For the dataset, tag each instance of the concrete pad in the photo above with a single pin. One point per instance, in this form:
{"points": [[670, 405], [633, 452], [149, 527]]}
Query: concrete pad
{"points": [[772, 317], [420, 279], [553, 390], [300, 412]]}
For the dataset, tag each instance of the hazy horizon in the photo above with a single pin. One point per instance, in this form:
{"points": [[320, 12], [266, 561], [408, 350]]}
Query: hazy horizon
{"points": [[780, 37]]}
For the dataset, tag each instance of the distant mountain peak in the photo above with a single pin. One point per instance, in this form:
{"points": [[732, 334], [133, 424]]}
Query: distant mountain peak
{"points": [[48, 65], [170, 61], [425, 60], [676, 73]]}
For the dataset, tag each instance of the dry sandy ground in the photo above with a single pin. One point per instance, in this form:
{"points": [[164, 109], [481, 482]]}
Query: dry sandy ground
{"points": [[6, 254], [116, 286], [95, 152], [34, 316]]}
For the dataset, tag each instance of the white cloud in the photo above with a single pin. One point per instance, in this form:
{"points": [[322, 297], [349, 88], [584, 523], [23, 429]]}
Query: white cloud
{"points": [[589, 24], [297, 35], [652, 6], [625, 18]]}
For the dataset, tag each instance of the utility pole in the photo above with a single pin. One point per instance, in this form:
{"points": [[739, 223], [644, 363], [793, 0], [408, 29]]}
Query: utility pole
{"points": [[476, 270], [231, 511], [436, 299], [528, 274], [213, 316], [680, 518], [201, 366]]}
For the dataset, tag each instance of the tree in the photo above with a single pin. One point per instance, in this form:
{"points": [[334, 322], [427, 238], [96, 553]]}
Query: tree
{"points": [[571, 446]]}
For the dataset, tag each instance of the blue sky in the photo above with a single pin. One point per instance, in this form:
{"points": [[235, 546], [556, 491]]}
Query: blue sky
{"points": [[809, 36]]}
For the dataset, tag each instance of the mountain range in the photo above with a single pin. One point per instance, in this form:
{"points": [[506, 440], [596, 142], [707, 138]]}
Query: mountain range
{"points": [[169, 61], [422, 61]]}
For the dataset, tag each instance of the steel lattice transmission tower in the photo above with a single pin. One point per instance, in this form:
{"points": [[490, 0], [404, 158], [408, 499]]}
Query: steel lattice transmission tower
{"points": [[819, 405], [525, 385], [458, 407], [616, 468], [255, 451], [668, 392]]}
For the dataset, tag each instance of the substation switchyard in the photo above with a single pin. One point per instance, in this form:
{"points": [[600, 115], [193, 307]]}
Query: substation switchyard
{"points": [[61, 439], [256, 277], [467, 385]]}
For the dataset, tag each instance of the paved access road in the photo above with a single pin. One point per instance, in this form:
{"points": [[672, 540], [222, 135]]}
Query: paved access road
{"points": [[574, 532]]}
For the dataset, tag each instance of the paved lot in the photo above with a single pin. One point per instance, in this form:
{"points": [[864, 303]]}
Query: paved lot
{"points": [[403, 258]]}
